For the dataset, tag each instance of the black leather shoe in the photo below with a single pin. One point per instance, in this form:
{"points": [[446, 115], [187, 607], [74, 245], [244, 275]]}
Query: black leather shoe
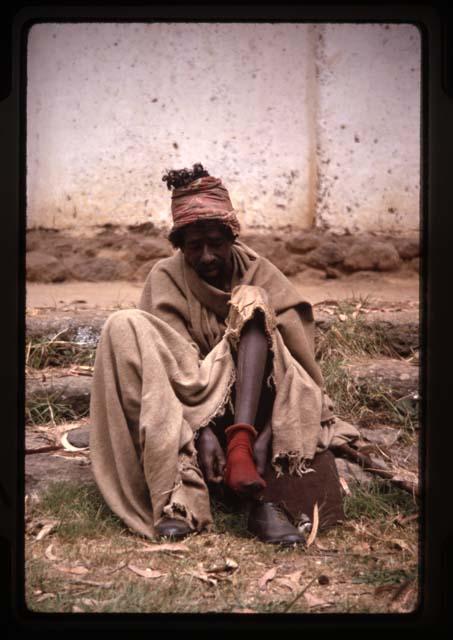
{"points": [[269, 522], [173, 528]]}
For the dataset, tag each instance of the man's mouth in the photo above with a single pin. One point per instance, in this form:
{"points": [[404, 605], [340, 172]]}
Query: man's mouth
{"points": [[209, 271]]}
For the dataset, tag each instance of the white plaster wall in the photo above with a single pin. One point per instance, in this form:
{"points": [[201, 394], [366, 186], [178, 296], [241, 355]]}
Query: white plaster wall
{"points": [[368, 127], [110, 106], [305, 123]]}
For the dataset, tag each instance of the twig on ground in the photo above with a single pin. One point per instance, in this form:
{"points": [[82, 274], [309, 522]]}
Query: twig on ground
{"points": [[367, 464], [53, 447], [300, 594]]}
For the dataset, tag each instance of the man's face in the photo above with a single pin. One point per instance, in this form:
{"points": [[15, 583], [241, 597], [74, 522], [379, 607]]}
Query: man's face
{"points": [[208, 251]]}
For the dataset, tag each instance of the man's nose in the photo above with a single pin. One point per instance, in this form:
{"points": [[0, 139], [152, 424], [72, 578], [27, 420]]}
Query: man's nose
{"points": [[207, 256]]}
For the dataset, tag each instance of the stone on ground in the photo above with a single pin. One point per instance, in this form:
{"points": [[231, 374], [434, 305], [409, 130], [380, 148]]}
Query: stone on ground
{"points": [[67, 391], [398, 377], [372, 255]]}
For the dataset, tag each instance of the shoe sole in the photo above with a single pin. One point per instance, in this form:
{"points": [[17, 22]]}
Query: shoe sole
{"points": [[174, 536]]}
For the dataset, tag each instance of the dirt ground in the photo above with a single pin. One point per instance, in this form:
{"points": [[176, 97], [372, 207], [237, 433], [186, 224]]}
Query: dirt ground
{"points": [[399, 287]]}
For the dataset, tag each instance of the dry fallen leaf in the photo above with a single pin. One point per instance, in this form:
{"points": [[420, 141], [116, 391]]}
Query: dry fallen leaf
{"points": [[342, 317], [405, 475], [284, 582], [345, 486], [76, 609], [121, 565], [177, 547], [77, 571], [314, 529], [292, 580], [361, 548], [321, 547], [314, 601], [267, 577], [93, 583], [401, 544], [46, 529], [90, 602], [295, 576], [405, 598], [49, 553], [203, 576], [82, 370], [237, 610], [145, 573], [228, 565], [385, 589], [45, 596], [402, 520]]}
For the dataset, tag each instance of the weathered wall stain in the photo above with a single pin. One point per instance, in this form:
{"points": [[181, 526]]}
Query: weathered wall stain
{"points": [[368, 128]]}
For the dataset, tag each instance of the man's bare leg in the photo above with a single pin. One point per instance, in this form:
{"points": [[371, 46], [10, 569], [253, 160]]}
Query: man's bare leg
{"points": [[241, 473], [252, 357]]}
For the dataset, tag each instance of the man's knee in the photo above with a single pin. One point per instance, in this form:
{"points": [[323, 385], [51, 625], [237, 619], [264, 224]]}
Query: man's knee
{"points": [[120, 321]]}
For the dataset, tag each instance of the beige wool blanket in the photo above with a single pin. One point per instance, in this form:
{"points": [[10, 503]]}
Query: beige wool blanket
{"points": [[165, 370]]}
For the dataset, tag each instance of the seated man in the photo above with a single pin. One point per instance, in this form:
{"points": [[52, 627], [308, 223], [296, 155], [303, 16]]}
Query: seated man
{"points": [[212, 381]]}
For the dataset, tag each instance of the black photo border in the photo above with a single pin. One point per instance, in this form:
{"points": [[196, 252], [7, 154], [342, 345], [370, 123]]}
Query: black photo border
{"points": [[436, 28]]}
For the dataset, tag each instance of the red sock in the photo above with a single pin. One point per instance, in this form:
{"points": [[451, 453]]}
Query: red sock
{"points": [[240, 471]]}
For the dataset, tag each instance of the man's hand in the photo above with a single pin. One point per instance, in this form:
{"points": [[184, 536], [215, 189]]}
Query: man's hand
{"points": [[261, 448], [210, 455]]}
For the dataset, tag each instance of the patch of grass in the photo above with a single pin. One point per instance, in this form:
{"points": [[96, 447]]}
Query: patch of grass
{"points": [[48, 408], [279, 606], [80, 509], [350, 335], [385, 576], [43, 353], [178, 590], [37, 580], [367, 403], [176, 593], [406, 419], [380, 500], [228, 519], [340, 387]]}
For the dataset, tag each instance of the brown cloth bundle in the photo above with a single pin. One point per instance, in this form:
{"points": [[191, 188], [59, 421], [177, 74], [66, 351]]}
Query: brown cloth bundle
{"points": [[203, 199]]}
